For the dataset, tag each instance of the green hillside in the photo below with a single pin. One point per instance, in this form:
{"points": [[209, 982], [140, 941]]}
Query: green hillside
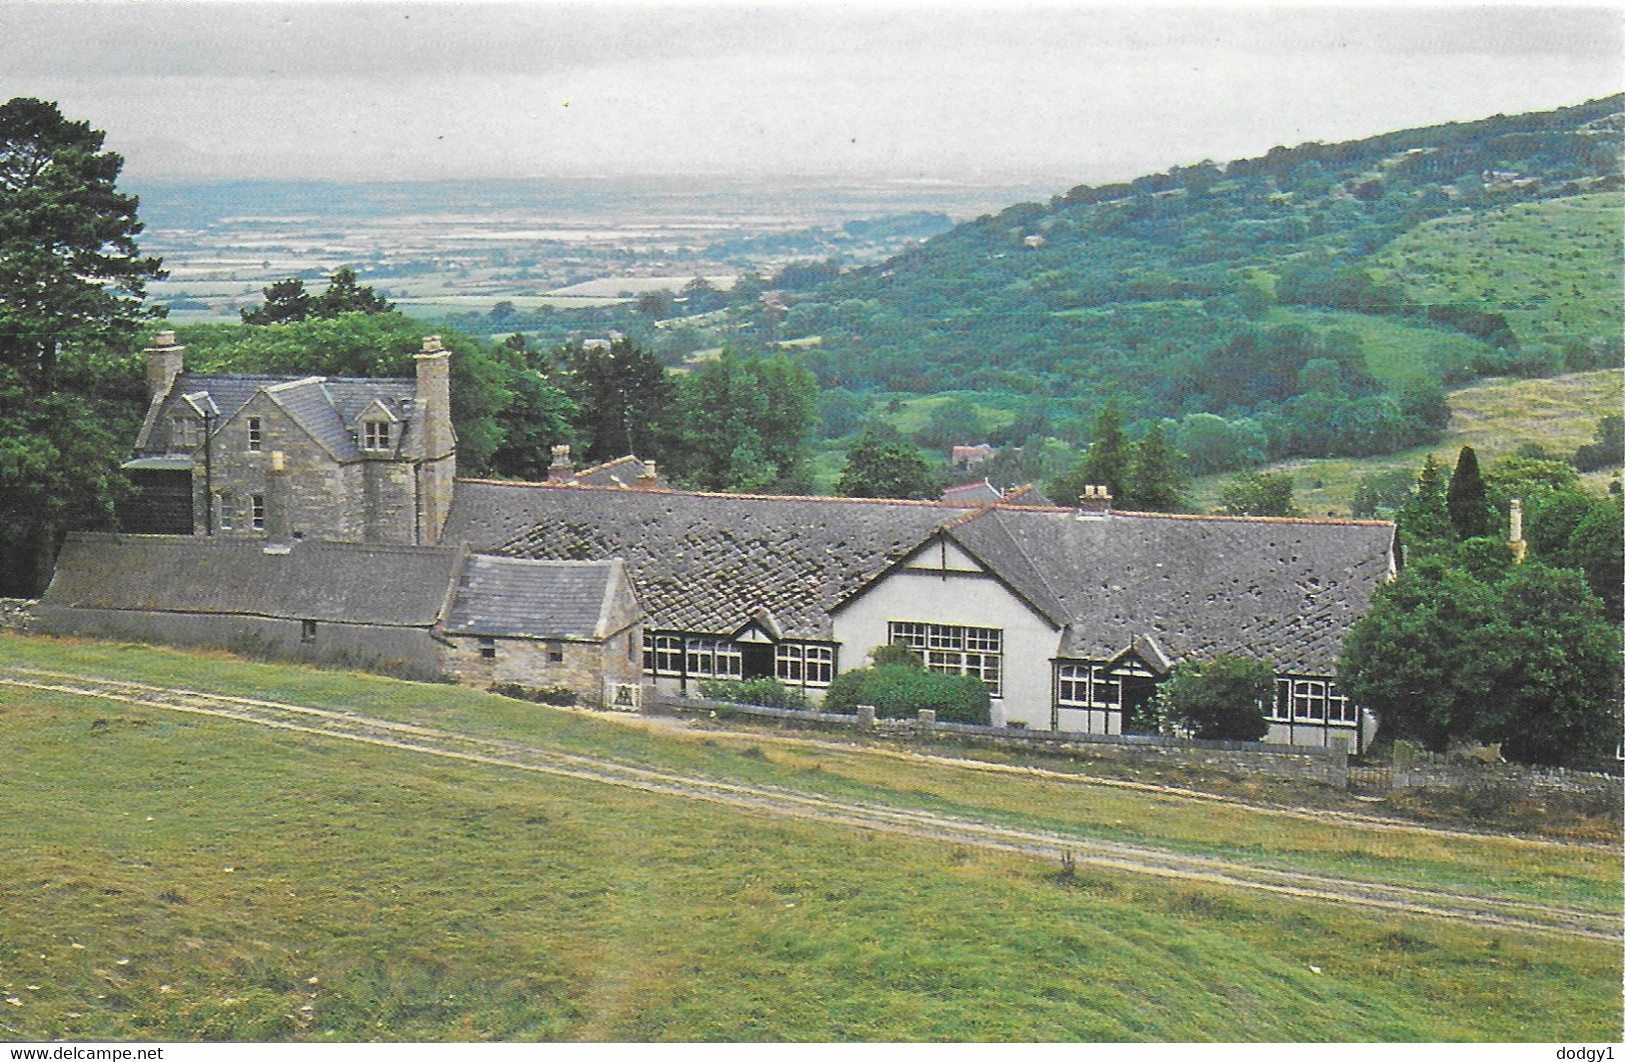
{"points": [[174, 876], [1494, 417], [1555, 269], [1412, 259]]}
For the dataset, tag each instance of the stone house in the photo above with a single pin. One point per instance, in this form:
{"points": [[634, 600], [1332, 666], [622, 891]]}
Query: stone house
{"points": [[1070, 616], [338, 459]]}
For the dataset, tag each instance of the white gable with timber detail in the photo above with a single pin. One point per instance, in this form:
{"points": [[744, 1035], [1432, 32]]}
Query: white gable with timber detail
{"points": [[941, 554]]}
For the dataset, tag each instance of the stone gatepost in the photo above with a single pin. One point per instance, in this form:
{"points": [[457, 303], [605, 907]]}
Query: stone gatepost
{"points": [[1337, 761], [866, 715], [928, 717]]}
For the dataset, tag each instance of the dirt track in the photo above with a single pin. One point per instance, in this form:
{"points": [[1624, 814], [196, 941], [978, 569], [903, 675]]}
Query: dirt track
{"points": [[1141, 859]]}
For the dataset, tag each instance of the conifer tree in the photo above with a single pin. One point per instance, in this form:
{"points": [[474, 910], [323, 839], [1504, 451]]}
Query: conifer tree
{"points": [[1154, 480], [1107, 462], [1465, 500], [1424, 522]]}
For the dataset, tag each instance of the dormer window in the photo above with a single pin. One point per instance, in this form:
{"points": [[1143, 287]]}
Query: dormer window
{"points": [[376, 435], [255, 435], [184, 432]]}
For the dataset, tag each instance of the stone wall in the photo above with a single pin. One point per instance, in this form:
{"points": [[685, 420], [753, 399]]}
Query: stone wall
{"points": [[405, 652], [584, 668], [16, 613], [1318, 764], [1512, 775]]}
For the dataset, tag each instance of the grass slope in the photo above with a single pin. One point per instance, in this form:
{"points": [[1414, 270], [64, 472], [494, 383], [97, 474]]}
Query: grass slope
{"points": [[1554, 268], [1396, 350], [175, 877], [1495, 417]]}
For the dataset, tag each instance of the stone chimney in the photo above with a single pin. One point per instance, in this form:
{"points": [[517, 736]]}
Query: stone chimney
{"points": [[1094, 502], [648, 479], [278, 501], [562, 470], [439, 469], [166, 360], [1515, 542]]}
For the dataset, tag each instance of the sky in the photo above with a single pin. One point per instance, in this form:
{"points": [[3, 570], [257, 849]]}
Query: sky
{"points": [[409, 90]]}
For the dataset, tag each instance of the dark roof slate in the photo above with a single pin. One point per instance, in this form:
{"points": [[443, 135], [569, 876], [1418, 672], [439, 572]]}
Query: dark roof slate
{"points": [[703, 562], [1287, 590], [621, 472], [972, 493], [506, 596], [323, 406], [341, 583]]}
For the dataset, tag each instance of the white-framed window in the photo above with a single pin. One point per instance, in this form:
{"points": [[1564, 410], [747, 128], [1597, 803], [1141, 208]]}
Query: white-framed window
{"points": [[662, 654], [488, 648], [184, 432], [1088, 686], [804, 665], [375, 435], [256, 434], [1302, 700], [228, 512], [714, 658], [955, 650], [256, 511]]}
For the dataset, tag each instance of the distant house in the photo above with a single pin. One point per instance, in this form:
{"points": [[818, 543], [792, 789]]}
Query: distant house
{"points": [[1070, 616], [415, 611], [969, 457]]}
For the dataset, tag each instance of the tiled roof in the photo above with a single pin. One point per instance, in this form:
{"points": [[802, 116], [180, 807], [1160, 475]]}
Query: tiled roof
{"points": [[1195, 586], [324, 406], [621, 472], [1287, 590], [1028, 496], [972, 493], [341, 583], [535, 599], [703, 562]]}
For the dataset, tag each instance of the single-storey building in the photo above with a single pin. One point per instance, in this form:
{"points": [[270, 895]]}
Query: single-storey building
{"points": [[1071, 616], [423, 612]]}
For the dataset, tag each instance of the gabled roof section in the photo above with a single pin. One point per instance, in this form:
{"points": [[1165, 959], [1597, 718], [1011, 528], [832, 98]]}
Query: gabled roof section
{"points": [[552, 599], [337, 400], [1198, 586], [1028, 497], [707, 563], [343, 583], [985, 537], [983, 493]]}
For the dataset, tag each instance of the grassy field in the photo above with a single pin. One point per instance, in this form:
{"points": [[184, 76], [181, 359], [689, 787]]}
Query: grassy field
{"points": [[1396, 351], [165, 876], [1495, 417], [1554, 268]]}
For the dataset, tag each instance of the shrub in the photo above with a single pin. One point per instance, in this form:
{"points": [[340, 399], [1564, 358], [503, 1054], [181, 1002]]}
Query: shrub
{"points": [[766, 692], [1221, 699], [899, 691], [558, 696]]}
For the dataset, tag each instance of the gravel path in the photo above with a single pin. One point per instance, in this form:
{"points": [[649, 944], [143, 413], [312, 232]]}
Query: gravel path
{"points": [[1499, 912]]}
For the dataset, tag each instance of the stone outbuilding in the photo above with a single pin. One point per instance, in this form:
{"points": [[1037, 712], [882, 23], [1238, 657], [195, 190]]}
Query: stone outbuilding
{"points": [[422, 612]]}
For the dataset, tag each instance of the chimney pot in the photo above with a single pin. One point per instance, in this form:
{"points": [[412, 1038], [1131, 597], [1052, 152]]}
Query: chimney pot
{"points": [[562, 467], [1096, 500], [648, 479]]}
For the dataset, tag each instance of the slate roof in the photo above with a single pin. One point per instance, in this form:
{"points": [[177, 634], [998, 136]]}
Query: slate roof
{"points": [[566, 600], [972, 493], [1287, 590], [323, 406], [1029, 496], [398, 586], [1188, 586], [706, 563], [621, 472]]}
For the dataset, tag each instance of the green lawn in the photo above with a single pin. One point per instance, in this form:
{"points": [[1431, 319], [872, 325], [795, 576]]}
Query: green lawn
{"points": [[380, 894], [1396, 351]]}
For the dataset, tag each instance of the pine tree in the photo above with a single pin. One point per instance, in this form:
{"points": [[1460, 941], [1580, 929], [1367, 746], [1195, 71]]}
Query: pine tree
{"points": [[1424, 522], [1155, 479], [1107, 462], [1465, 500]]}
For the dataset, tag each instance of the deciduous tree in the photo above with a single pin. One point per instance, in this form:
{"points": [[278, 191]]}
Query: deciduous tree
{"points": [[885, 465]]}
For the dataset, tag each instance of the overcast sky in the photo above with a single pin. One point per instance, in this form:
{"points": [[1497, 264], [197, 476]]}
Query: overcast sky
{"points": [[391, 90]]}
